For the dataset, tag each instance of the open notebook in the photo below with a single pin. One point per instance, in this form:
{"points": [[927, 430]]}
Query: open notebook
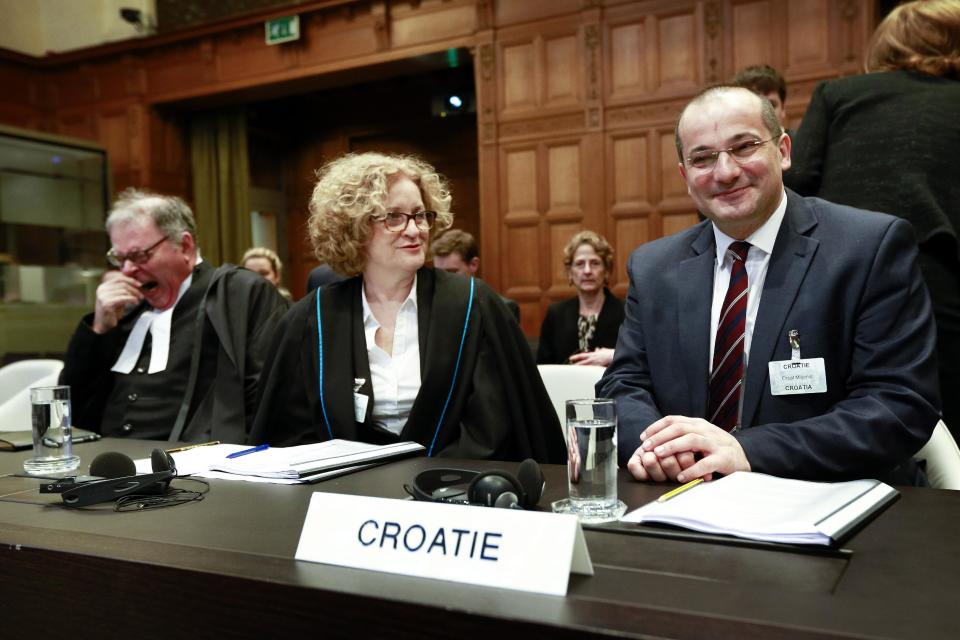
{"points": [[761, 507]]}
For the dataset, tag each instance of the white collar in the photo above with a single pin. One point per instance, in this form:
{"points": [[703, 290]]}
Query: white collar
{"points": [[369, 318], [763, 238], [159, 324]]}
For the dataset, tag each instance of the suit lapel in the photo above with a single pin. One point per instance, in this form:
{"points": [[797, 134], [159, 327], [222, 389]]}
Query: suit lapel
{"points": [[693, 317], [792, 254]]}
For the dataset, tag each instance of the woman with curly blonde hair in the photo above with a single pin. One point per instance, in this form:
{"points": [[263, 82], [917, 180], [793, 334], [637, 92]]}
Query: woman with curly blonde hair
{"points": [[399, 350], [583, 330], [885, 140]]}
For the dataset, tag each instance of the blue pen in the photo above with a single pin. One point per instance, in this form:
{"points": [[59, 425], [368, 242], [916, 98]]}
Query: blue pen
{"points": [[237, 454]]}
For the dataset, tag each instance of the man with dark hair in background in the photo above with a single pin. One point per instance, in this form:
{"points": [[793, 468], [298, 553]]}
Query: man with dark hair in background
{"points": [[766, 81], [174, 347], [456, 251]]}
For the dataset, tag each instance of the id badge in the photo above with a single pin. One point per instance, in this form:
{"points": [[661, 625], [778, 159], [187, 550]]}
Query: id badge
{"points": [[360, 406], [797, 375], [793, 377]]}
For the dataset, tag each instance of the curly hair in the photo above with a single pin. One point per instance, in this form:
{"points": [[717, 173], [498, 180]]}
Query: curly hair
{"points": [[921, 36], [351, 192], [595, 240]]}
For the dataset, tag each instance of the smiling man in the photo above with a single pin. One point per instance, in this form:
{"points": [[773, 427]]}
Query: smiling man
{"points": [[784, 335], [162, 356]]}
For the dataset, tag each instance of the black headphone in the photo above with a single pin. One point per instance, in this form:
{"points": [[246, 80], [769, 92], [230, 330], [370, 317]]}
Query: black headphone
{"points": [[494, 488], [121, 479]]}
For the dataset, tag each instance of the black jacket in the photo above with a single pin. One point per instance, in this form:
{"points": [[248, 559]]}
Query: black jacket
{"points": [[558, 334]]}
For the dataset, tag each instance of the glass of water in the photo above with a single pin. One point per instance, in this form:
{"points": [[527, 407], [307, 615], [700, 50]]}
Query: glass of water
{"points": [[592, 461], [52, 432]]}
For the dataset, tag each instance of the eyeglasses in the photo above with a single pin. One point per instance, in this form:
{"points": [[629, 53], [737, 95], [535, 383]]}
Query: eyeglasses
{"points": [[139, 256], [707, 159], [395, 221]]}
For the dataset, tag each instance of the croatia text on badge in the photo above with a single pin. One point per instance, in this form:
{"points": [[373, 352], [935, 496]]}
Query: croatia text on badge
{"points": [[792, 377]]}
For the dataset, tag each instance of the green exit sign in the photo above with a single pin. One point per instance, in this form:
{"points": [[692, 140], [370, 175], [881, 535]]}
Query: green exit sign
{"points": [[283, 29]]}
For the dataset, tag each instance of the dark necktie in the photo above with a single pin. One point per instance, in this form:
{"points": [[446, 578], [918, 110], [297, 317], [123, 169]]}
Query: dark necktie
{"points": [[726, 377]]}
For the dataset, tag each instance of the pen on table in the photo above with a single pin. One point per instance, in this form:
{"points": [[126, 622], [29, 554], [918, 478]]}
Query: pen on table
{"points": [[675, 492], [237, 454], [192, 446]]}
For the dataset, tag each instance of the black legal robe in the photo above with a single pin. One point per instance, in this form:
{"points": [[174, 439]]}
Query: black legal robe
{"points": [[498, 407], [240, 312]]}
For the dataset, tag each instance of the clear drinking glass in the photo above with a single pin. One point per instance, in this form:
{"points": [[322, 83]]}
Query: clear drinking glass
{"points": [[52, 432], [592, 461]]}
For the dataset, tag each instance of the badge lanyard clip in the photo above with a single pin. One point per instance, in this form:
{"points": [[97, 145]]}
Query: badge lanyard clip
{"points": [[793, 336]]}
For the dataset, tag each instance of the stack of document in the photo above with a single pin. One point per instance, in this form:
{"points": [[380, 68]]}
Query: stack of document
{"points": [[761, 507], [283, 465], [307, 462]]}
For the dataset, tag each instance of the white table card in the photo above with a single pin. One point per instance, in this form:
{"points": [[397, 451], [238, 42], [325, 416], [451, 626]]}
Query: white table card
{"points": [[506, 548]]}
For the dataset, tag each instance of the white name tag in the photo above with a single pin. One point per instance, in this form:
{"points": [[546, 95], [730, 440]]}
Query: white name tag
{"points": [[360, 406], [511, 549], [791, 377]]}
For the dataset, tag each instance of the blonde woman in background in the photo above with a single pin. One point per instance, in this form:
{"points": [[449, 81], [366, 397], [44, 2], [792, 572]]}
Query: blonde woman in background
{"points": [[267, 263]]}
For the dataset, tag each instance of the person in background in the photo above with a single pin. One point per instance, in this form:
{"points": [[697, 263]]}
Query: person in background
{"points": [[400, 351], [322, 275], [784, 335], [885, 141], [583, 330], [766, 81], [174, 347], [456, 251], [267, 263]]}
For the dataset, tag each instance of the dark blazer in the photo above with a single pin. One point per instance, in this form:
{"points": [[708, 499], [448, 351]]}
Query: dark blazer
{"points": [[884, 142], [488, 404], [848, 280], [558, 333]]}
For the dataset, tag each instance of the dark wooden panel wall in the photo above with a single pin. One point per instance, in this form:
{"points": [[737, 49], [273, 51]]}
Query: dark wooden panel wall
{"points": [[576, 101]]}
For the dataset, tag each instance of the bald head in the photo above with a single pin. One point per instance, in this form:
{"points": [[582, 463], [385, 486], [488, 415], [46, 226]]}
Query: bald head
{"points": [[767, 113]]}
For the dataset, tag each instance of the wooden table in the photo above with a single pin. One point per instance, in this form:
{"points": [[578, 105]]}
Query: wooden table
{"points": [[224, 567]]}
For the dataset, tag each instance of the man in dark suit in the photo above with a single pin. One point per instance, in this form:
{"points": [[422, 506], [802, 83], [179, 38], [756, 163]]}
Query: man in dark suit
{"points": [[321, 276], [806, 353]]}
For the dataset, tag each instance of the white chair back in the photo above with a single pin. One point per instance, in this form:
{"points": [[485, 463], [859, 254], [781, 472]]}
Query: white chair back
{"points": [[943, 459], [15, 412], [17, 376], [568, 382]]}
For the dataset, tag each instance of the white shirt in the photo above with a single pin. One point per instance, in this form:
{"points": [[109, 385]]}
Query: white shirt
{"points": [[758, 259], [396, 378]]}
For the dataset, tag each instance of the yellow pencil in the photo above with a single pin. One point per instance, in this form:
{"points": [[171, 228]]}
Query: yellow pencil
{"points": [[679, 490], [192, 446]]}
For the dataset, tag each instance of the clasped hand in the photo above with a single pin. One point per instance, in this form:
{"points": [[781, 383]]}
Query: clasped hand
{"points": [[601, 357], [681, 449]]}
